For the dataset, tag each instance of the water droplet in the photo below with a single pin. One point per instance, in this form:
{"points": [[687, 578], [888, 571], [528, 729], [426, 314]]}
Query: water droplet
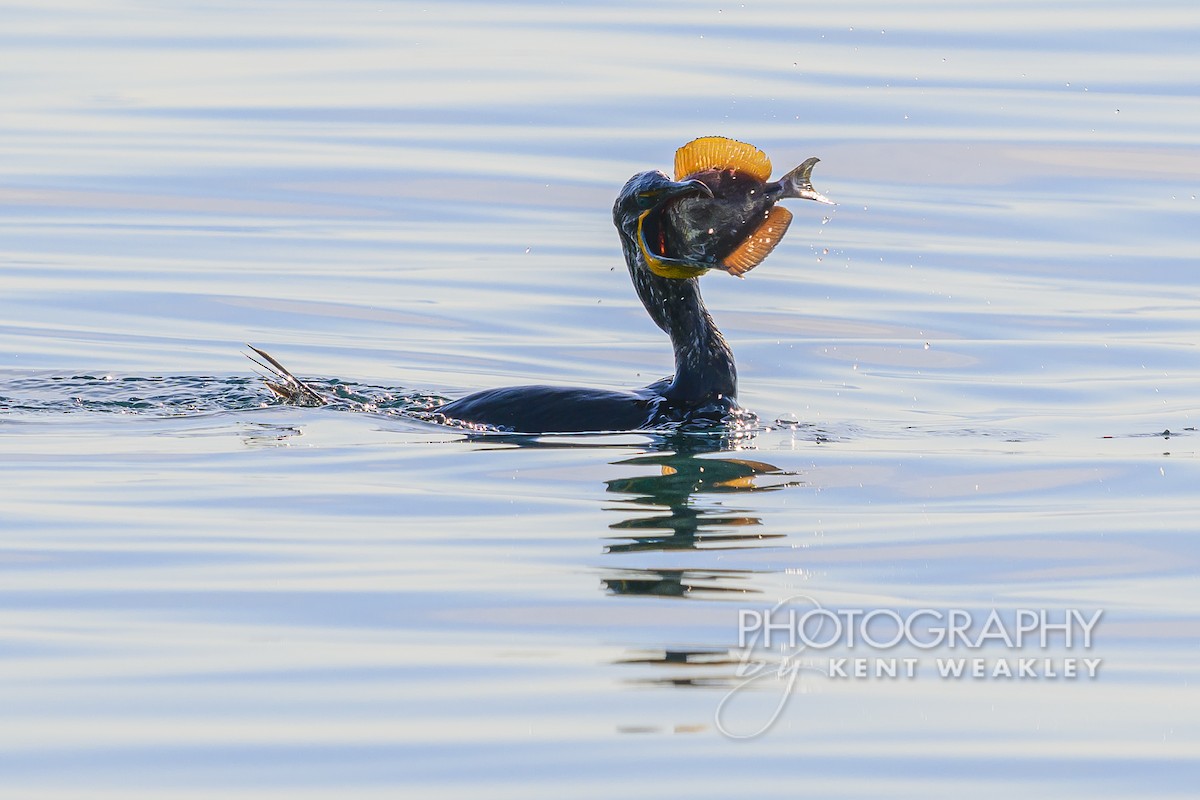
{"points": [[927, 345], [824, 220]]}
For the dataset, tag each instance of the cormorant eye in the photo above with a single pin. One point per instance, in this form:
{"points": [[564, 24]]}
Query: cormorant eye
{"points": [[647, 199]]}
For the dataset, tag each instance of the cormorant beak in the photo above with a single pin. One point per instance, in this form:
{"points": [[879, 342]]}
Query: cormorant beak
{"points": [[656, 258], [680, 188]]}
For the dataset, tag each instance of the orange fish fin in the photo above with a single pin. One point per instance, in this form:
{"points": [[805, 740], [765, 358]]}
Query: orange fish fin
{"points": [[759, 244], [717, 152]]}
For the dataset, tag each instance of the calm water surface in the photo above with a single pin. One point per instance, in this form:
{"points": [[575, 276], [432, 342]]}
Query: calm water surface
{"points": [[977, 382]]}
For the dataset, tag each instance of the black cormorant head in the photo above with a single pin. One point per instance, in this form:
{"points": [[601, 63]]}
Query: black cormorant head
{"points": [[639, 216]]}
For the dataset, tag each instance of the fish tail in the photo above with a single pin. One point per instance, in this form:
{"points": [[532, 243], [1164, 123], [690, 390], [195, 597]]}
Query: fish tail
{"points": [[798, 183]]}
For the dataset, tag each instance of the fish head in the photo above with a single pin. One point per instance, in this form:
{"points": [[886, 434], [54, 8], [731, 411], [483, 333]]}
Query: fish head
{"points": [[710, 228]]}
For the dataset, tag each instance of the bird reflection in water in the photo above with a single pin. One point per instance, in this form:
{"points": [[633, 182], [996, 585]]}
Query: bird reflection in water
{"points": [[679, 505], [676, 520]]}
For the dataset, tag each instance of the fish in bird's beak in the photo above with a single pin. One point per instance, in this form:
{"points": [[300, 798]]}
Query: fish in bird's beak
{"points": [[735, 224]]}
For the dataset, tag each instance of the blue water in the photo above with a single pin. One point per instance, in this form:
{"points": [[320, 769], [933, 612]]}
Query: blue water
{"points": [[976, 379]]}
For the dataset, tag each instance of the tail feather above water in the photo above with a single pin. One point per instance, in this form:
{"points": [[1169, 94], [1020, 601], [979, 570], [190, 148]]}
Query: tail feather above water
{"points": [[283, 383]]}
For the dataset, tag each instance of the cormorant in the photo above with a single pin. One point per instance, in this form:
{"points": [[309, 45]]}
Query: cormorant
{"points": [[718, 213]]}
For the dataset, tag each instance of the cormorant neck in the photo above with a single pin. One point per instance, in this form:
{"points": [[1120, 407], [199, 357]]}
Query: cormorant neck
{"points": [[704, 368]]}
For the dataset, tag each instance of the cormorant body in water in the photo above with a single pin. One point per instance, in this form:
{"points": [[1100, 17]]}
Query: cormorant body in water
{"points": [[718, 213]]}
